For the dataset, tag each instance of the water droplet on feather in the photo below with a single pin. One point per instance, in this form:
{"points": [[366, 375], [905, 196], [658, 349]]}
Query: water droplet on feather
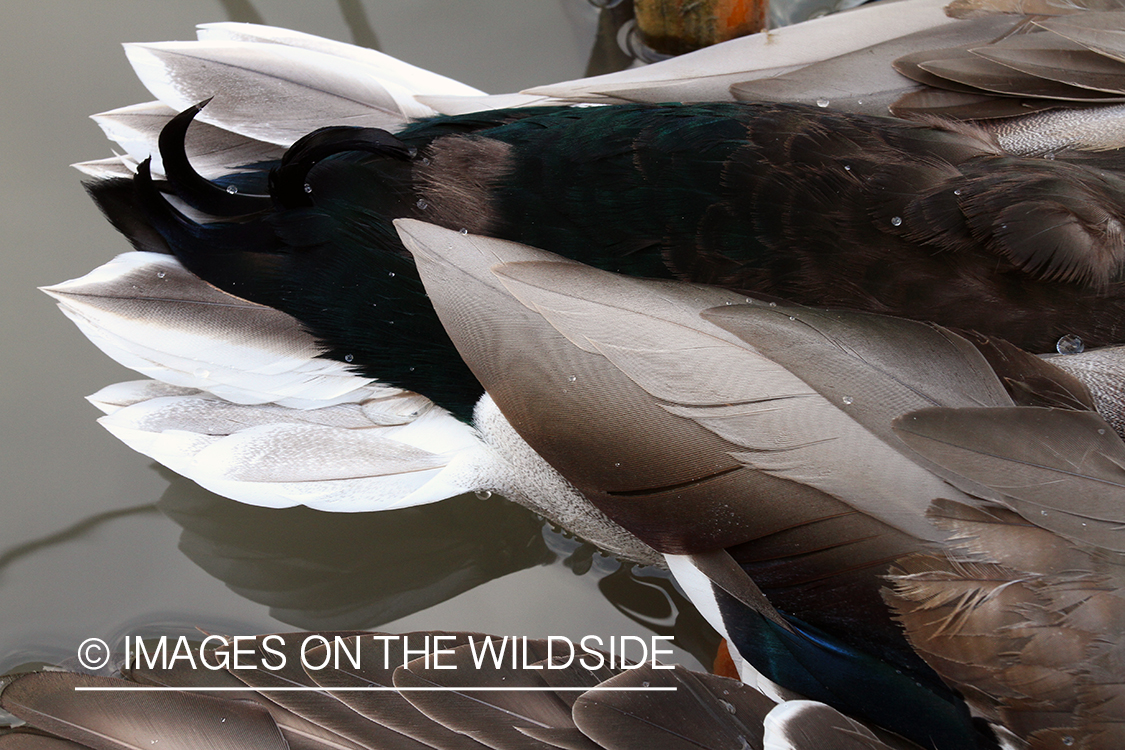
{"points": [[1070, 344]]}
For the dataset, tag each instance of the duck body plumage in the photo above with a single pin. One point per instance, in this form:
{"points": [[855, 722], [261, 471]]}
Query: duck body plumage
{"points": [[818, 455], [783, 201]]}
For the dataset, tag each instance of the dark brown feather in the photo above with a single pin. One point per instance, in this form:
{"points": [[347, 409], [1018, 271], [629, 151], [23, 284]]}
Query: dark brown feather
{"points": [[704, 712], [1098, 31], [1031, 380], [380, 659], [978, 72], [496, 718], [1056, 58], [801, 724], [1025, 623], [29, 740]]}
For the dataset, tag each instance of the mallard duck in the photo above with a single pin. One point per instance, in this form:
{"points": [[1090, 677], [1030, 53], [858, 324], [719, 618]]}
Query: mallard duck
{"points": [[317, 305], [316, 263], [592, 706]]}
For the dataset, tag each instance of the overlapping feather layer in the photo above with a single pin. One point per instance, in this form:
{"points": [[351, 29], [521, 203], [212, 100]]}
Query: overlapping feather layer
{"points": [[408, 702]]}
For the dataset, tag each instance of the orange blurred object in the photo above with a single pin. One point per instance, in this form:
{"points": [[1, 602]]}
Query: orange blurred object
{"points": [[724, 664], [673, 27]]}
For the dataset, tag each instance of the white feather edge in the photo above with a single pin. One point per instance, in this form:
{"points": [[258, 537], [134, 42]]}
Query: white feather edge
{"points": [[410, 77], [393, 452], [242, 405], [147, 312], [111, 167], [272, 92], [699, 589], [339, 83], [383, 454], [213, 152], [783, 727], [123, 127]]}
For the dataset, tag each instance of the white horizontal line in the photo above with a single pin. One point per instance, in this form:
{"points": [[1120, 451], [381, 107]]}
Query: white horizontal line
{"points": [[371, 689]]}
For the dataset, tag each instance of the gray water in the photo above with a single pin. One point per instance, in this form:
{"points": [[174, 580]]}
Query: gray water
{"points": [[95, 540]]}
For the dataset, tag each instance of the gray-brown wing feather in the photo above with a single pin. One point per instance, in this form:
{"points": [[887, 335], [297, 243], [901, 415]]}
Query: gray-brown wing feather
{"points": [[113, 720], [1061, 470]]}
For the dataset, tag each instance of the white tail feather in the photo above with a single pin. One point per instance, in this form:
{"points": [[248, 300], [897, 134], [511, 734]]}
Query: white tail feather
{"points": [[348, 457], [385, 67], [213, 151], [107, 169], [148, 313], [463, 105], [308, 89], [802, 724]]}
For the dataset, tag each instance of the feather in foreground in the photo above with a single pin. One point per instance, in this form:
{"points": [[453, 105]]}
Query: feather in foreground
{"points": [[811, 457], [389, 699]]}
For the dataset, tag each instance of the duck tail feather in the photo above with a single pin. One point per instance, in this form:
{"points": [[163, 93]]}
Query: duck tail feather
{"points": [[417, 80], [147, 312], [368, 455], [309, 88]]}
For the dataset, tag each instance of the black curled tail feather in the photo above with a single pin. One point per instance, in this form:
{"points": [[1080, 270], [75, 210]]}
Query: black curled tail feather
{"points": [[288, 182], [320, 247], [193, 188]]}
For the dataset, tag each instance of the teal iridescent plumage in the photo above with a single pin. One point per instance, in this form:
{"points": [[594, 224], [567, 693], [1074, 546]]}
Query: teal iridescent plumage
{"points": [[924, 221]]}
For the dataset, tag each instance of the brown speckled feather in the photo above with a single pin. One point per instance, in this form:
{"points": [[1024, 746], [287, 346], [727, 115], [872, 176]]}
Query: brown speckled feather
{"points": [[1024, 612], [1025, 624]]}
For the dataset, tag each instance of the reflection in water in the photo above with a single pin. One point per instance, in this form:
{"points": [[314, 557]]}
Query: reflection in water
{"points": [[343, 571], [241, 11], [355, 16], [650, 597], [71, 533], [607, 56], [331, 571]]}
